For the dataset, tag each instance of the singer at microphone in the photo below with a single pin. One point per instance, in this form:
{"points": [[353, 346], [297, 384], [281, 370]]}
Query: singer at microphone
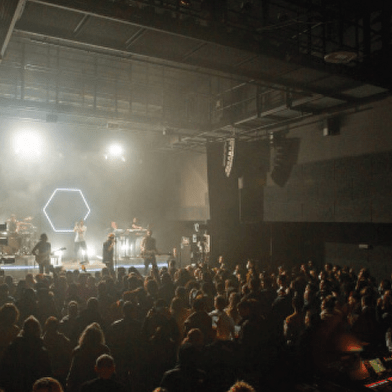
{"points": [[108, 252]]}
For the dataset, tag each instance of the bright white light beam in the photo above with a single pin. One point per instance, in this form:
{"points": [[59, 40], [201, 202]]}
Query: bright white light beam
{"points": [[116, 151], [28, 144]]}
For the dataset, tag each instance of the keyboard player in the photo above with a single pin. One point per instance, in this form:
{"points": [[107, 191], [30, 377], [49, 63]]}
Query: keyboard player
{"points": [[135, 232]]}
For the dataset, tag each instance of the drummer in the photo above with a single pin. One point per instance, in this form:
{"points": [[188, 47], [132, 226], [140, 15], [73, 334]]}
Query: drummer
{"points": [[12, 224]]}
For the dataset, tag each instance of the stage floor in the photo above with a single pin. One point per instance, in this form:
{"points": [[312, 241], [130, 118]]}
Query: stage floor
{"points": [[26, 264]]}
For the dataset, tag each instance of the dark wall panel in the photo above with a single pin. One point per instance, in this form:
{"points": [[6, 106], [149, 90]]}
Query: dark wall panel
{"points": [[352, 189]]}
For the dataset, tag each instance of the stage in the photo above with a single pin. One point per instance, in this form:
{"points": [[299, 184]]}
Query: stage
{"points": [[19, 265]]}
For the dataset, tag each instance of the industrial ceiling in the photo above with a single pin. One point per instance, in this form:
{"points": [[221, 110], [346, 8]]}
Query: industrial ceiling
{"points": [[180, 73]]}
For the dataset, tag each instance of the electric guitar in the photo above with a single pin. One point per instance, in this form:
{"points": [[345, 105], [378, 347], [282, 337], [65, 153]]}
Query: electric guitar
{"points": [[40, 258]]}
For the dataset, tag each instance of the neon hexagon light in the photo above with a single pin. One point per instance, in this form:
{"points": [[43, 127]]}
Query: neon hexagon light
{"points": [[64, 207]]}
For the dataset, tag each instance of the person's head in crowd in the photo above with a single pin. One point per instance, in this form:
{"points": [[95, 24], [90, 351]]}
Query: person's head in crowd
{"points": [[220, 302], [176, 306], [364, 274], [73, 290], [30, 282], [310, 292], [207, 288], [61, 283], [206, 277], [166, 279], [163, 270], [282, 281], [328, 304], [298, 303], [51, 325], [172, 264], [160, 306], [194, 337], [385, 285], [47, 384], [220, 288], [241, 386], [366, 301], [91, 282], [152, 288], [82, 279], [4, 290], [254, 284], [20, 288], [31, 328], [102, 288], [266, 281], [134, 282], [73, 309], [312, 318], [92, 336], [245, 288], [282, 292], [181, 292], [243, 309], [105, 272], [9, 315], [199, 304], [234, 299], [70, 277], [92, 304], [75, 274], [9, 281], [29, 295], [98, 276], [129, 310], [105, 367]]}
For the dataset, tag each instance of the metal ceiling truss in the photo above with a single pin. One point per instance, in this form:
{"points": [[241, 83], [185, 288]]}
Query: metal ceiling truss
{"points": [[195, 68]]}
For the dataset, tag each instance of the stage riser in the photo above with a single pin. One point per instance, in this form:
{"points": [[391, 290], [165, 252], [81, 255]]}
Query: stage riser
{"points": [[26, 264]]}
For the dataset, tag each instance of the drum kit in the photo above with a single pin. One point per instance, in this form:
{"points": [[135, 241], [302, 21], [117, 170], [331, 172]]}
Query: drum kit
{"points": [[22, 236]]}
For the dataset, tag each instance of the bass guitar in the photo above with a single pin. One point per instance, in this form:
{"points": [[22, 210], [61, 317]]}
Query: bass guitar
{"points": [[40, 258]]}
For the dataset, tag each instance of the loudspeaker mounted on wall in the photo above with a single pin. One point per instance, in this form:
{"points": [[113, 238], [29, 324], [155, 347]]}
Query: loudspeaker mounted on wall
{"points": [[331, 126]]}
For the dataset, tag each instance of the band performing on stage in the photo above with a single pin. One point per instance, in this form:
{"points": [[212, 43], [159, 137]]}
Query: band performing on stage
{"points": [[20, 239]]}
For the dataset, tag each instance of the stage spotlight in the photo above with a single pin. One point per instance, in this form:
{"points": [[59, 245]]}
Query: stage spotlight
{"points": [[28, 144], [115, 152]]}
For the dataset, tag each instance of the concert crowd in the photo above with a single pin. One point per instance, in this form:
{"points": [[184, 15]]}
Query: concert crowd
{"points": [[190, 329]]}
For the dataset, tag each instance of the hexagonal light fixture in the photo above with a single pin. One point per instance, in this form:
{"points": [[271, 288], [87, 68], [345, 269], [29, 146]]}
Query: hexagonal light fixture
{"points": [[59, 200]]}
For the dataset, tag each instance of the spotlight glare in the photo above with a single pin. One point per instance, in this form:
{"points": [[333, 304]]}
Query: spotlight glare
{"points": [[116, 151], [28, 144]]}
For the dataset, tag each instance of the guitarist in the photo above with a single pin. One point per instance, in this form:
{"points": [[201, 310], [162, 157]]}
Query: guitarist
{"points": [[42, 251], [148, 250]]}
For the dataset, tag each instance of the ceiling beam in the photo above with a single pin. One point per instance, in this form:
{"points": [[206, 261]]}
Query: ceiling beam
{"points": [[16, 9]]}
